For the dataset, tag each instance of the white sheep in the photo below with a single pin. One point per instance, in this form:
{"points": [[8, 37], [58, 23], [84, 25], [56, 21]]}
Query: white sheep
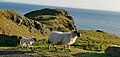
{"points": [[62, 38], [27, 42]]}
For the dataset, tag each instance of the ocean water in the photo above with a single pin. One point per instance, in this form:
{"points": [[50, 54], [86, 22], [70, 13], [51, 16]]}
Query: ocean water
{"points": [[97, 20], [85, 19]]}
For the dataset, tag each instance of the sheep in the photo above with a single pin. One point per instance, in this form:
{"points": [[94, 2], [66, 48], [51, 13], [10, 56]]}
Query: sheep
{"points": [[27, 42], [62, 38]]}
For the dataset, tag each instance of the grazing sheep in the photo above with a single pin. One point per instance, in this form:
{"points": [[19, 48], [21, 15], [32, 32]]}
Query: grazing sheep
{"points": [[62, 38], [27, 42]]}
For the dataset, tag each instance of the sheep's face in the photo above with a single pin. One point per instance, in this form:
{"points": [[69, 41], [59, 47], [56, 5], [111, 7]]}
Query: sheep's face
{"points": [[78, 33], [34, 39]]}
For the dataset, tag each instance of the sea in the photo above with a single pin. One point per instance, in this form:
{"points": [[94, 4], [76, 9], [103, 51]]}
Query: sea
{"points": [[85, 19]]}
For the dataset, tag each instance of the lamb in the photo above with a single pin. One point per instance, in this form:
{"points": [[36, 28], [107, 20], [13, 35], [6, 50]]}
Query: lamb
{"points": [[62, 38], [27, 42]]}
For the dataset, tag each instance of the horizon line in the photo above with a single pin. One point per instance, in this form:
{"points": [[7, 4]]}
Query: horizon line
{"points": [[60, 6]]}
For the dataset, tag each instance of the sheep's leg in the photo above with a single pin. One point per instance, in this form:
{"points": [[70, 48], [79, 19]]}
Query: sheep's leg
{"points": [[69, 48], [21, 46], [27, 46], [55, 47], [31, 46], [49, 46], [64, 47], [49, 43]]}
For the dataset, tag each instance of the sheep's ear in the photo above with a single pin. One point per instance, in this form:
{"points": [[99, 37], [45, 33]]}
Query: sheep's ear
{"points": [[75, 31]]}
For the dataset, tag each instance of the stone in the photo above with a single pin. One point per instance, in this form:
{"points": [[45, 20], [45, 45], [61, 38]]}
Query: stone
{"points": [[113, 50]]}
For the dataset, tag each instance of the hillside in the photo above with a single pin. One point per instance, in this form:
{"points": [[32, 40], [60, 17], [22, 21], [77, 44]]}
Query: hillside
{"points": [[16, 25], [40, 23], [96, 40], [13, 23], [90, 44], [53, 19]]}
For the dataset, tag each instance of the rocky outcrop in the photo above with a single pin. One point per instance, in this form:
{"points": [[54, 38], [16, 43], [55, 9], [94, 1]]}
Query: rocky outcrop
{"points": [[48, 11], [113, 50], [53, 19]]}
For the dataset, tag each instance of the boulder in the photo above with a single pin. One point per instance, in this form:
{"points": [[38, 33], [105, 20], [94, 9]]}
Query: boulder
{"points": [[113, 50]]}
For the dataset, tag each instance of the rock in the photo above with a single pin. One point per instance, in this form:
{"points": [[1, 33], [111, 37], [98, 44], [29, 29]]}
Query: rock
{"points": [[100, 31], [113, 50], [52, 19]]}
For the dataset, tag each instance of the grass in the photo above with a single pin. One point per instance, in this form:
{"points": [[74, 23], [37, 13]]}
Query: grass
{"points": [[45, 52], [96, 41], [90, 44]]}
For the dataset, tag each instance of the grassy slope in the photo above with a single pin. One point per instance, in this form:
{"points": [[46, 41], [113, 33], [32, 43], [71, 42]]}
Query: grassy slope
{"points": [[92, 43], [95, 40], [9, 27]]}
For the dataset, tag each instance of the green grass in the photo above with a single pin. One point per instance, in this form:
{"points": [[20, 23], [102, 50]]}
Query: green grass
{"points": [[96, 41], [89, 44], [44, 51]]}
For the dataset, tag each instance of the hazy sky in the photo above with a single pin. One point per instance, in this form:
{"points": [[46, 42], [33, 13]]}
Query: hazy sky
{"points": [[112, 5]]}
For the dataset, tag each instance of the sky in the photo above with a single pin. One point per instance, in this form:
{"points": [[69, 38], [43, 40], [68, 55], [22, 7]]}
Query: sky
{"points": [[111, 5]]}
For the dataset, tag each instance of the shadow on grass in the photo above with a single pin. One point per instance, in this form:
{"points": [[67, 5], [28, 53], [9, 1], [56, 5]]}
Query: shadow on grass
{"points": [[11, 52], [87, 54], [8, 41]]}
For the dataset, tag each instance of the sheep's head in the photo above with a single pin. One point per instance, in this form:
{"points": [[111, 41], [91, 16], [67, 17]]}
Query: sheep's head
{"points": [[34, 39], [78, 33]]}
